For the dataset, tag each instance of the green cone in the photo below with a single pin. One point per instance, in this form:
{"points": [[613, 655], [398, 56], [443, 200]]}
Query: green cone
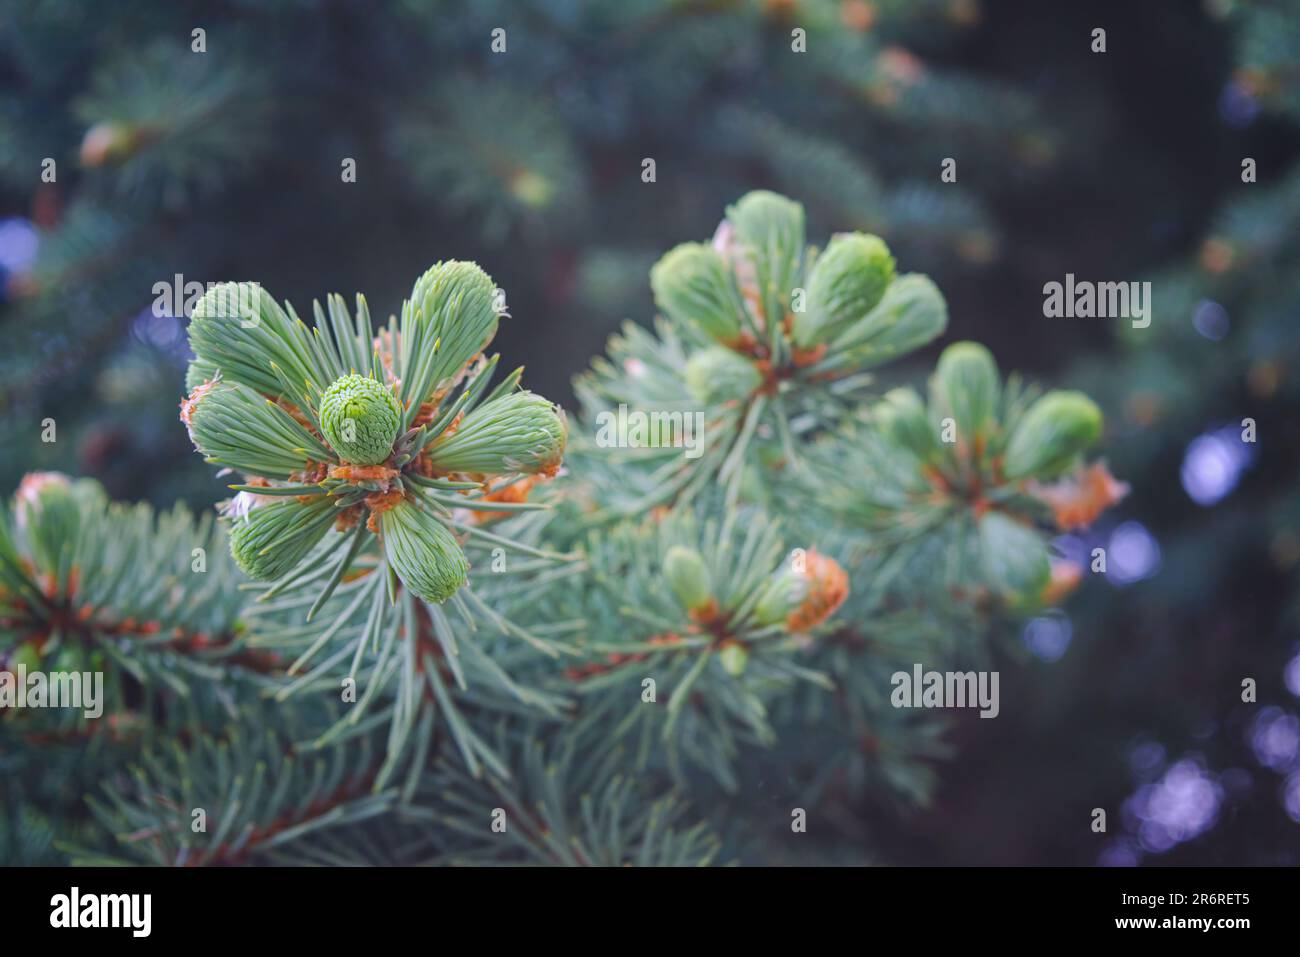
{"points": [[692, 285], [1012, 556], [911, 313], [360, 417], [734, 657], [688, 577], [1051, 433], [847, 282], [239, 329], [423, 552], [235, 426], [48, 508], [716, 374], [519, 432], [272, 540], [772, 227], [784, 591], [451, 317], [966, 387]]}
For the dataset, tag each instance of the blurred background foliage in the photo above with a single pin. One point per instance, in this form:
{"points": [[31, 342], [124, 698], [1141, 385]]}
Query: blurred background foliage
{"points": [[1116, 166]]}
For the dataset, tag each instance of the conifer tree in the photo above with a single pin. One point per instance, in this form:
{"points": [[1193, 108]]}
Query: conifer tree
{"points": [[439, 620], [450, 632]]}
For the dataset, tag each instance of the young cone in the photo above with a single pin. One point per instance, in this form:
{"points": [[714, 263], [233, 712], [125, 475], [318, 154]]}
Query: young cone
{"points": [[360, 417], [520, 432], [48, 507], [733, 657], [451, 317], [966, 387], [423, 552], [270, 541], [847, 282], [688, 577], [911, 313], [1056, 428], [1013, 556], [692, 286], [237, 328], [771, 227], [803, 594], [235, 426]]}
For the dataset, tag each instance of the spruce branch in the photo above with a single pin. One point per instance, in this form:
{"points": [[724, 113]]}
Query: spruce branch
{"points": [[242, 795], [764, 339], [348, 448], [719, 644], [85, 586]]}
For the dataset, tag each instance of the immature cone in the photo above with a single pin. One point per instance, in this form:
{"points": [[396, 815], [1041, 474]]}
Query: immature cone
{"points": [[520, 432], [270, 541], [716, 374], [1012, 556], [456, 301], [911, 313], [360, 418], [727, 245], [48, 509], [692, 285], [847, 282], [803, 593], [688, 577], [233, 425], [734, 657], [966, 387], [1051, 433], [239, 329], [772, 227], [44, 496], [828, 587], [423, 552], [784, 592]]}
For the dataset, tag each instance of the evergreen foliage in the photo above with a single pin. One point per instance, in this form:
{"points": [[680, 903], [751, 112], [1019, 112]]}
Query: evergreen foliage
{"points": [[363, 658], [444, 626]]}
